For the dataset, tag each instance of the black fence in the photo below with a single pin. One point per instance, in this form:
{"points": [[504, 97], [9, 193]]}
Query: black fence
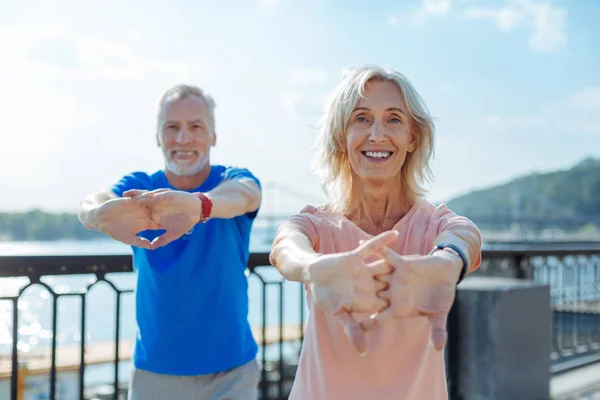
{"points": [[280, 311], [573, 275]]}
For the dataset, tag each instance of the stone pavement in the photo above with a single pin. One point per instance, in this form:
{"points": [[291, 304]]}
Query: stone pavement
{"points": [[579, 384]]}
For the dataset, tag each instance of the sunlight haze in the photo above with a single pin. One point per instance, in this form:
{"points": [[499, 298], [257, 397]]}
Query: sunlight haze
{"points": [[513, 85]]}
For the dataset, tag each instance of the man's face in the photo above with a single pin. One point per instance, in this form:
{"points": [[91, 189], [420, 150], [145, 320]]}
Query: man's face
{"points": [[186, 135]]}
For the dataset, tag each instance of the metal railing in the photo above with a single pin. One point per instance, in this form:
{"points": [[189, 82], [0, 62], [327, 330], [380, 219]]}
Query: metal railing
{"points": [[277, 371], [573, 275]]}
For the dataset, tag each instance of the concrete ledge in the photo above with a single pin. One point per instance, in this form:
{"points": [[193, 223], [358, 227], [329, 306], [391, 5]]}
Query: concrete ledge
{"points": [[576, 383], [505, 338]]}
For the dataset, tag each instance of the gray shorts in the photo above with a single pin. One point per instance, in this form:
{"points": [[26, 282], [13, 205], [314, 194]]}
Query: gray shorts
{"points": [[240, 383]]}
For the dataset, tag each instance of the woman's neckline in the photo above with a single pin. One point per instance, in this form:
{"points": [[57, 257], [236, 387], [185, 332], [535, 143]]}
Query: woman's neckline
{"points": [[402, 220]]}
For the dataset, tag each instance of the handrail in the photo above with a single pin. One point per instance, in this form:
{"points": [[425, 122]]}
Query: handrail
{"points": [[573, 274]]}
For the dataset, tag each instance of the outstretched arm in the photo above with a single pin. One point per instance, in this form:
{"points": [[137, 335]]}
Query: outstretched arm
{"points": [[235, 197], [336, 281], [462, 233], [89, 206], [292, 254]]}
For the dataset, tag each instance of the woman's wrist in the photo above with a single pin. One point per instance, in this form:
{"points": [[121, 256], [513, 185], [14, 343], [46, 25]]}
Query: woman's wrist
{"points": [[451, 252]]}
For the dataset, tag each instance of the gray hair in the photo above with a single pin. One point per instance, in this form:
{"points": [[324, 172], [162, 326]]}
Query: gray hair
{"points": [[331, 157], [182, 91]]}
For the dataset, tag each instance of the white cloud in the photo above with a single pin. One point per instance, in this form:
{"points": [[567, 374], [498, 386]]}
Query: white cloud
{"points": [[586, 100], [548, 22], [429, 9], [506, 18], [303, 106], [445, 87], [136, 36], [89, 57], [308, 76], [436, 6], [513, 121], [582, 110], [304, 99], [58, 98], [269, 3], [579, 114], [290, 103]]}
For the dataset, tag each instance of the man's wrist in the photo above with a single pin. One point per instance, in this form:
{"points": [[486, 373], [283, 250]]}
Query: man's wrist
{"points": [[205, 206]]}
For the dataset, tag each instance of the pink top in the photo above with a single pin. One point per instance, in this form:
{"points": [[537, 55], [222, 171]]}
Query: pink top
{"points": [[401, 363]]}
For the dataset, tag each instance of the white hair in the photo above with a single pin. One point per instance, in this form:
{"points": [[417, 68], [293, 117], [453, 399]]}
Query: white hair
{"points": [[331, 156], [182, 91]]}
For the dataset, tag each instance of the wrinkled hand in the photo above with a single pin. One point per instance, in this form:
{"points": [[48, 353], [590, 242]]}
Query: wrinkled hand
{"points": [[122, 219], [344, 284], [174, 211], [419, 286]]}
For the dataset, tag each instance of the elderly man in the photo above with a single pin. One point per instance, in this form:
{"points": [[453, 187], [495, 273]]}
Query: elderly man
{"points": [[189, 228]]}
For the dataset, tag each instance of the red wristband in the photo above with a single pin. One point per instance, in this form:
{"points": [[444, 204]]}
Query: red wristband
{"points": [[206, 206]]}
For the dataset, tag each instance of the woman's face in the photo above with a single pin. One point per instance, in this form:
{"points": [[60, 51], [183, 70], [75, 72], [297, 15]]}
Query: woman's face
{"points": [[379, 134]]}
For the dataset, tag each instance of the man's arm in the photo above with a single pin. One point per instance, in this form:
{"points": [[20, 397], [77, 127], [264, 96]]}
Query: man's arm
{"points": [[88, 207], [233, 198]]}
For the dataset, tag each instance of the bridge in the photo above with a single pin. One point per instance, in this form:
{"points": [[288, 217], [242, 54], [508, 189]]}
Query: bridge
{"points": [[522, 225]]}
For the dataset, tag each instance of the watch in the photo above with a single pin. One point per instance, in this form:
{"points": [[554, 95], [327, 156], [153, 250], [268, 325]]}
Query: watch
{"points": [[442, 246], [206, 206]]}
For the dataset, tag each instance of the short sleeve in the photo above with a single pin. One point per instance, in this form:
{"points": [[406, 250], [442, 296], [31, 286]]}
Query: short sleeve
{"points": [[233, 173], [305, 222], [135, 180], [460, 231]]}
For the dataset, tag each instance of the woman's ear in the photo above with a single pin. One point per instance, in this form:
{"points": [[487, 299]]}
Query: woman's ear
{"points": [[413, 144]]}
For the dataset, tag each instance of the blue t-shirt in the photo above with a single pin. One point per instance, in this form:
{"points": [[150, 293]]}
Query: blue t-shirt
{"points": [[192, 294]]}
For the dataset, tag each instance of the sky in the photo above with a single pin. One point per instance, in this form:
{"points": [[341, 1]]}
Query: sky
{"points": [[514, 86]]}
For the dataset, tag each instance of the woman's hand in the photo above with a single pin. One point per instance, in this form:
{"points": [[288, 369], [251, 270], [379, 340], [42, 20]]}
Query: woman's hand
{"points": [[344, 283], [419, 285]]}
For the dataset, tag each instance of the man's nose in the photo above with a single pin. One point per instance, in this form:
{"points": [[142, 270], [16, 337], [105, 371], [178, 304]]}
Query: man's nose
{"points": [[184, 135]]}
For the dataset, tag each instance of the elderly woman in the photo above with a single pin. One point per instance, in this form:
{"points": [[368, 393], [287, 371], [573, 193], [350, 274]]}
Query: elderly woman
{"points": [[379, 262]]}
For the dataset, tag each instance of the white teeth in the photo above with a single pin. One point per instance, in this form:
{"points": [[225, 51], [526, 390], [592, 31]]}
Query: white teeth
{"points": [[184, 153], [378, 154]]}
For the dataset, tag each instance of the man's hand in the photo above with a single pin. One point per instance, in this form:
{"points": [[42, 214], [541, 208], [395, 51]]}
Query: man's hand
{"points": [[344, 283], [122, 219], [419, 285], [174, 211]]}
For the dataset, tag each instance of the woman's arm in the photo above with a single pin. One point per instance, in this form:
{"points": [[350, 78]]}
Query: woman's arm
{"points": [[464, 234], [293, 254]]}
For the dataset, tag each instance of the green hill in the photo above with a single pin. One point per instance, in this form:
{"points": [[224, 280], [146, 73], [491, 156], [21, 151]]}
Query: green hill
{"points": [[569, 194], [39, 225]]}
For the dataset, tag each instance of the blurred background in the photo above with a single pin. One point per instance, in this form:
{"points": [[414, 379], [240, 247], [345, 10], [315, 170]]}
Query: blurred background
{"points": [[514, 86]]}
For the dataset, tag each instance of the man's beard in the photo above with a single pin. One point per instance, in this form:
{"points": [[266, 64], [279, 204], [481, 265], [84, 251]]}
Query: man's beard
{"points": [[186, 169]]}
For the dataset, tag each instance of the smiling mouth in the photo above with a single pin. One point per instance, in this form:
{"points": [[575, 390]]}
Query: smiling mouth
{"points": [[183, 155], [377, 155]]}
